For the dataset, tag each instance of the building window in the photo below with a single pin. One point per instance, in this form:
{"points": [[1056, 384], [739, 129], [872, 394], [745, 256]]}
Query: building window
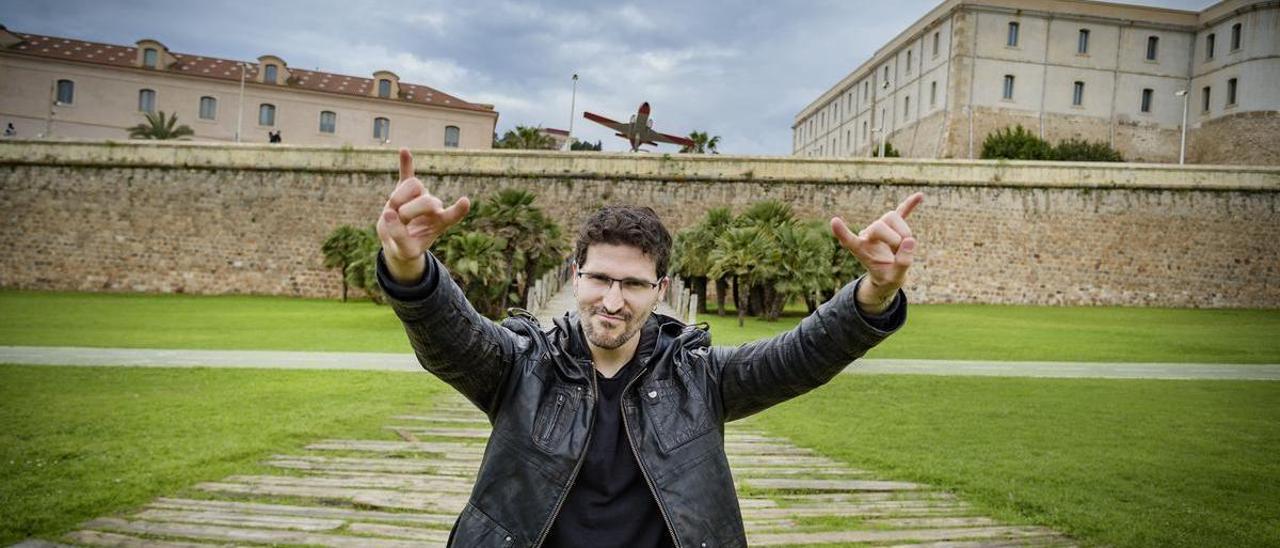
{"points": [[1012, 41], [384, 88], [1208, 46], [848, 102], [936, 38], [66, 92], [452, 135], [1008, 86], [1235, 37], [150, 57], [906, 107], [864, 129], [208, 108], [933, 93], [866, 89], [328, 121], [1146, 99], [1082, 42], [381, 129], [146, 100], [1077, 94], [908, 61], [266, 115], [1204, 99], [269, 74], [1153, 44], [886, 73], [1231, 92]]}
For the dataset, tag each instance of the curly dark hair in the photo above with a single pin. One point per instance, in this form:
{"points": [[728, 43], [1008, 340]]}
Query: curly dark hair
{"points": [[626, 225]]}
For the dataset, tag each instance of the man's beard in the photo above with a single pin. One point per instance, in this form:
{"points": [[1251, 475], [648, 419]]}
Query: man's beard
{"points": [[602, 340]]}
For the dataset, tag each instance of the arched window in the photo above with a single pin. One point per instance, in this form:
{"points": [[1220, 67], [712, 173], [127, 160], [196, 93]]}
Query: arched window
{"points": [[208, 108], [1012, 40], [933, 93], [906, 107], [150, 57], [266, 114], [1147, 95], [1235, 37], [1082, 42], [269, 74], [1008, 86], [451, 136], [328, 121], [384, 88], [66, 92], [1153, 45], [1077, 94], [147, 100], [381, 129]]}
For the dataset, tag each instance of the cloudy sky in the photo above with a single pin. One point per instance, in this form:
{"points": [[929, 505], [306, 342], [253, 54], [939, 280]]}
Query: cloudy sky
{"points": [[741, 70]]}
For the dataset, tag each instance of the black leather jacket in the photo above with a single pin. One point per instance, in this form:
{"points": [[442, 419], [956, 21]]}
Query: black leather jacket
{"points": [[541, 401]]}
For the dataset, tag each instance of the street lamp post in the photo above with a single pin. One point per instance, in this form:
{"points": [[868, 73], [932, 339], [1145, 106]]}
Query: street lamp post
{"points": [[1182, 147], [568, 143], [240, 107]]}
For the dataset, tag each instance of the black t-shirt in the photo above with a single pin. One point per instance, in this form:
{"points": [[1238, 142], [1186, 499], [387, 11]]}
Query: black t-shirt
{"points": [[610, 504]]}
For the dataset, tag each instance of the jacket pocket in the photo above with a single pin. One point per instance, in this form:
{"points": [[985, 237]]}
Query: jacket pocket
{"points": [[554, 417], [677, 415], [477, 529]]}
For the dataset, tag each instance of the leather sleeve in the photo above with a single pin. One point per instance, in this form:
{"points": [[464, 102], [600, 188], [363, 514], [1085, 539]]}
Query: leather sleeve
{"points": [[755, 376], [453, 341]]}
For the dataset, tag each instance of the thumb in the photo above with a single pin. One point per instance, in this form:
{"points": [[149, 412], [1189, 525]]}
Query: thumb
{"points": [[456, 211], [906, 253]]}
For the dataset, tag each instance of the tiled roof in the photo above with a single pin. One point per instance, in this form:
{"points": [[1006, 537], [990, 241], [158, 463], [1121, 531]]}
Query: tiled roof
{"points": [[226, 69]]}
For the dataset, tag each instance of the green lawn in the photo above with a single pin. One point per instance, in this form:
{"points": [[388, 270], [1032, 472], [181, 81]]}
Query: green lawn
{"points": [[1042, 333], [1118, 462], [78, 443], [962, 332]]}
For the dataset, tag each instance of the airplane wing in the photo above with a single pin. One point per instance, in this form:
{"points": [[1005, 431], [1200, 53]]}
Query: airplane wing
{"points": [[616, 126], [651, 135]]}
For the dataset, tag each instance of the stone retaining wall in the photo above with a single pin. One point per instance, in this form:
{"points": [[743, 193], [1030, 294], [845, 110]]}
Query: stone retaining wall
{"points": [[212, 219]]}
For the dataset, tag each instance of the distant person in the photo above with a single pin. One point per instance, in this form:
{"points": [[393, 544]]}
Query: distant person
{"points": [[608, 426], [9, 130], [273, 136]]}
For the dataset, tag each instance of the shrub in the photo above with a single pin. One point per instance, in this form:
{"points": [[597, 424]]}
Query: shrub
{"points": [[889, 151], [1080, 150], [1016, 144]]}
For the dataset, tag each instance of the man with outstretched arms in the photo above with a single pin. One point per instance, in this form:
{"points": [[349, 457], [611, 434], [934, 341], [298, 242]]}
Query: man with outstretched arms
{"points": [[608, 426]]}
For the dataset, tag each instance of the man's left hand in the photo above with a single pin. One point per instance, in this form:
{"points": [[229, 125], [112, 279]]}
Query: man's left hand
{"points": [[885, 248]]}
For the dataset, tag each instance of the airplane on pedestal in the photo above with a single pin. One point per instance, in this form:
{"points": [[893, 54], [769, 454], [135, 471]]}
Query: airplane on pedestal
{"points": [[639, 131]]}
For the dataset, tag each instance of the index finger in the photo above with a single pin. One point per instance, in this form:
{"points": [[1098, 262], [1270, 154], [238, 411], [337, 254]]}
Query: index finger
{"points": [[908, 205], [406, 164]]}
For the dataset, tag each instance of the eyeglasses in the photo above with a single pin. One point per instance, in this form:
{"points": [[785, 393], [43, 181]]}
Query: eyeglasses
{"points": [[632, 288]]}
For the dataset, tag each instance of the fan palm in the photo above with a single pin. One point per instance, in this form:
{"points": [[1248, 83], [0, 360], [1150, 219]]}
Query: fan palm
{"points": [[160, 127], [340, 249]]}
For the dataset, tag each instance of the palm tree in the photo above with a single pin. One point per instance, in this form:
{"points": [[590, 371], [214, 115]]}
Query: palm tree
{"points": [[531, 242], [770, 217], [340, 250], [525, 137], [737, 254], [362, 272], [160, 127], [703, 143], [475, 262]]}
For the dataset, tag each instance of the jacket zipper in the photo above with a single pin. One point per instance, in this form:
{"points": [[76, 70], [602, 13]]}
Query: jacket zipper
{"points": [[644, 471], [555, 417], [591, 423]]}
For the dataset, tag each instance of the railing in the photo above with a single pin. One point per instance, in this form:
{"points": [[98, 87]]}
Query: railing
{"points": [[683, 301], [547, 287]]}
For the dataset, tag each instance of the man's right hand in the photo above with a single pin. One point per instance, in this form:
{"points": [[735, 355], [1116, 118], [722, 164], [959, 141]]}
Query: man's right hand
{"points": [[411, 221]]}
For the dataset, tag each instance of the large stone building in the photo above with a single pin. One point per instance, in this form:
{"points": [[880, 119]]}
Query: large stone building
{"points": [[61, 88], [1064, 69]]}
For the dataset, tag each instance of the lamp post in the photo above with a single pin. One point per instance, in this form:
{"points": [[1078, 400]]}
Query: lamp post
{"points": [[1182, 147], [240, 107], [568, 143], [883, 135]]}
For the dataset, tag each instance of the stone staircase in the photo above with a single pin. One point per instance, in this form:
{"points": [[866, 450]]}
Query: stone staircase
{"points": [[407, 488]]}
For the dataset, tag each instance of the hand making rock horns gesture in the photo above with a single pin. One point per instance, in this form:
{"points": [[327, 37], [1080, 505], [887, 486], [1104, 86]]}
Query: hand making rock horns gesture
{"points": [[411, 221], [885, 248]]}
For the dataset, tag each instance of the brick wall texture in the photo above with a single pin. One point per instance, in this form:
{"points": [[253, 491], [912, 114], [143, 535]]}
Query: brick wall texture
{"points": [[218, 219]]}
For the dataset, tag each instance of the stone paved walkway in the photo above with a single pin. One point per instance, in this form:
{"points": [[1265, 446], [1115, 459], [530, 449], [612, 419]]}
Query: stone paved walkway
{"points": [[406, 488]]}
